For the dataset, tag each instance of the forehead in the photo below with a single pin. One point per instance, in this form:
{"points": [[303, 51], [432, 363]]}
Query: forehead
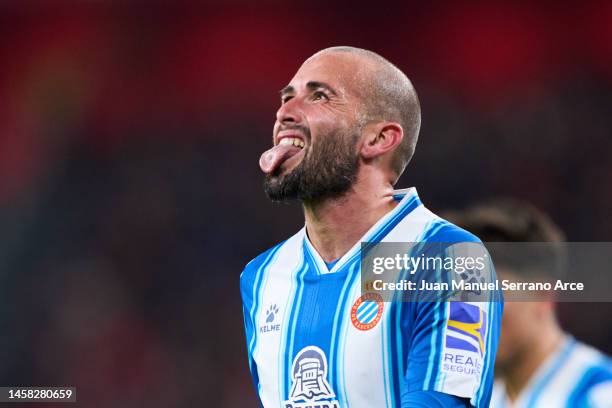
{"points": [[343, 71]]}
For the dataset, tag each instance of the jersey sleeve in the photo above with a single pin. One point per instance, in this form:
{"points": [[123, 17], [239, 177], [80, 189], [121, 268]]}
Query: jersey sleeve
{"points": [[250, 286], [595, 388], [453, 344], [247, 294], [248, 328], [432, 399]]}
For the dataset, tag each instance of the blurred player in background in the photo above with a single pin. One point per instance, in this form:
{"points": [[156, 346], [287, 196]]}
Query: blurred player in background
{"points": [[345, 131], [538, 364]]}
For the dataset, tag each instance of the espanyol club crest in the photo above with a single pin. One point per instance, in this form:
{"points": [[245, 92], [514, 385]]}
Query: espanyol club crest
{"points": [[310, 388], [367, 311]]}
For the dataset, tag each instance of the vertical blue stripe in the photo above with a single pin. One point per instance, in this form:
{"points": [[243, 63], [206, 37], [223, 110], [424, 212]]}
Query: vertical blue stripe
{"points": [[492, 335], [437, 381], [257, 293], [377, 235], [283, 375], [386, 368], [295, 309], [592, 376], [394, 364], [400, 354], [434, 226], [315, 321], [437, 339], [432, 345], [403, 324], [339, 320], [342, 333]]}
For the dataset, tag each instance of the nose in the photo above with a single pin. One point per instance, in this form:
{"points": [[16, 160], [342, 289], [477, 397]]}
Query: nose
{"points": [[289, 113]]}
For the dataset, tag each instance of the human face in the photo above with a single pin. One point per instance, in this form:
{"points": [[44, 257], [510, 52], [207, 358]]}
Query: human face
{"points": [[520, 328], [317, 132]]}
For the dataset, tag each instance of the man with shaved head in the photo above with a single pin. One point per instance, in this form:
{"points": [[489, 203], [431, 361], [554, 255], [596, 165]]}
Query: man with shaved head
{"points": [[346, 129]]}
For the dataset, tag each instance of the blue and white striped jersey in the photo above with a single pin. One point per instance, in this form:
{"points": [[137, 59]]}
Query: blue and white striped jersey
{"points": [[574, 376], [315, 341]]}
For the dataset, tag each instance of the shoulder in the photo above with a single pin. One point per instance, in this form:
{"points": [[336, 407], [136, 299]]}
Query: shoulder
{"points": [[595, 384], [598, 365], [255, 265], [441, 230], [251, 268], [250, 277], [422, 225]]}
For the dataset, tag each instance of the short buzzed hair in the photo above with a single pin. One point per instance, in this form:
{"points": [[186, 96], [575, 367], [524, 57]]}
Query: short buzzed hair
{"points": [[390, 96]]}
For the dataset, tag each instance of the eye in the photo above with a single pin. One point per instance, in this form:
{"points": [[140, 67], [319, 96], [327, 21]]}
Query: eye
{"points": [[286, 98], [319, 95]]}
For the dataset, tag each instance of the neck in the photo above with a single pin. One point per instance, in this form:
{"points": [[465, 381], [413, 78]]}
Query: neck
{"points": [[334, 225], [517, 375]]}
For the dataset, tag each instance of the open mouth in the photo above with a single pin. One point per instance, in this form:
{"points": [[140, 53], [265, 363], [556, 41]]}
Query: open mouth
{"points": [[288, 149], [295, 147], [292, 141]]}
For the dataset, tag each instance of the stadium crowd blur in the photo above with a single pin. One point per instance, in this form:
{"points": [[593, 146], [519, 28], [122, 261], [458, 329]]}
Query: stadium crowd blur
{"points": [[130, 196]]}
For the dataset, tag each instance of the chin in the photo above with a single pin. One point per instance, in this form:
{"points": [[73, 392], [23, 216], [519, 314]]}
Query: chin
{"points": [[284, 170]]}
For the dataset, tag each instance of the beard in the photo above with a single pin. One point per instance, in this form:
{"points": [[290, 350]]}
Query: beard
{"points": [[327, 170]]}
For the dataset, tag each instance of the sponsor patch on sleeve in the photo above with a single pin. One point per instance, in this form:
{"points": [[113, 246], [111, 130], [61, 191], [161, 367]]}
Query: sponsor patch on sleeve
{"points": [[465, 341]]}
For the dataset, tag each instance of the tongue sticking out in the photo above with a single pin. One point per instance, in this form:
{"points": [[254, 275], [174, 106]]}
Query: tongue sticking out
{"points": [[271, 159]]}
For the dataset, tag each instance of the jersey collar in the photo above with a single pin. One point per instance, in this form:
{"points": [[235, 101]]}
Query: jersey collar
{"points": [[408, 201]]}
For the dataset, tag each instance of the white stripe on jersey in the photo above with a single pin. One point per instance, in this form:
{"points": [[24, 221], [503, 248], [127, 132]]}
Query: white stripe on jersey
{"points": [[562, 384], [278, 290], [556, 379], [358, 379]]}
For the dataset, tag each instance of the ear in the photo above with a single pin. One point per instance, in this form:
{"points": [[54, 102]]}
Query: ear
{"points": [[383, 137]]}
